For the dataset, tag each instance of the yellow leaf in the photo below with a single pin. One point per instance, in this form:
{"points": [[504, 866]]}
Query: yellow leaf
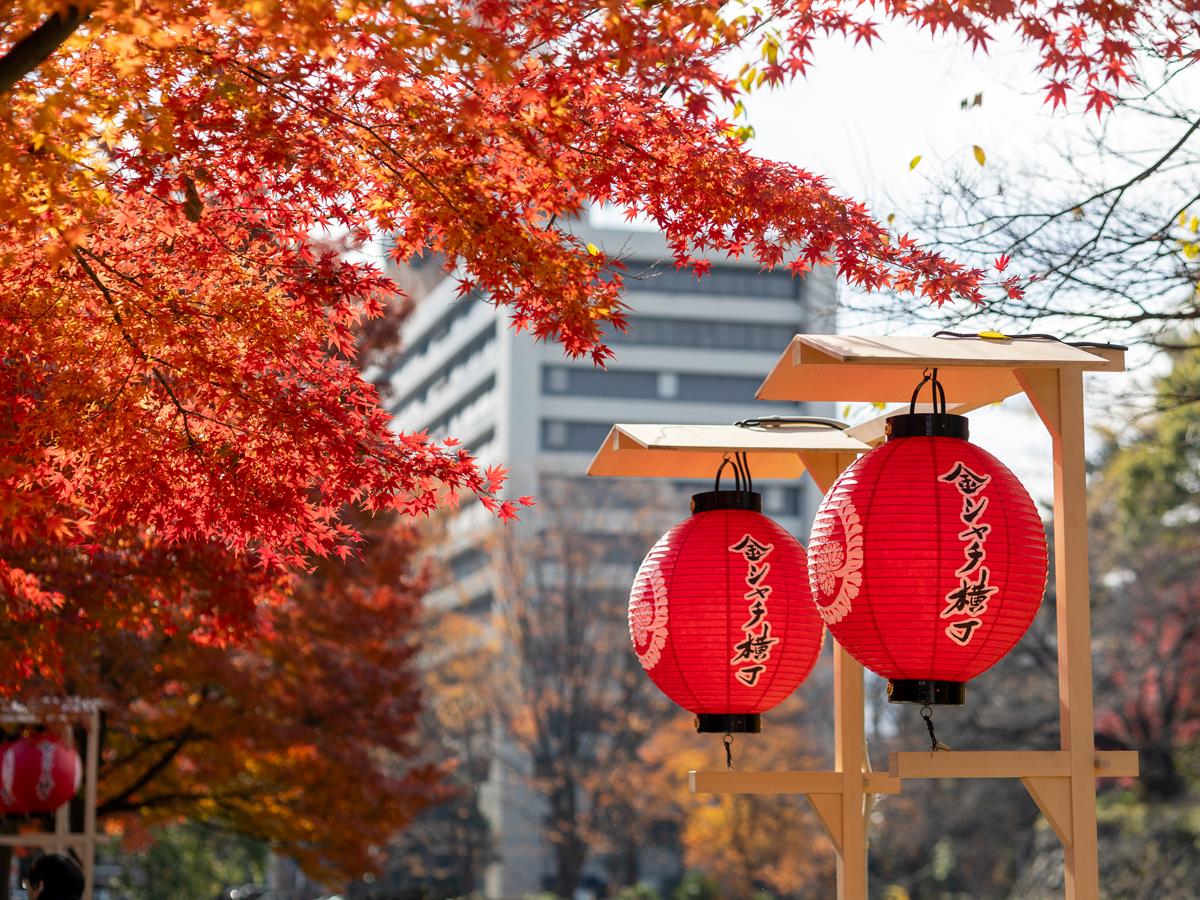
{"points": [[914, 162], [993, 335], [593, 249], [891, 218], [980, 156], [1194, 225]]}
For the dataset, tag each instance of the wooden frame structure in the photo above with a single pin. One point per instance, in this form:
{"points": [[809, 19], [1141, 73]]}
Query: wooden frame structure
{"points": [[62, 838], [975, 372]]}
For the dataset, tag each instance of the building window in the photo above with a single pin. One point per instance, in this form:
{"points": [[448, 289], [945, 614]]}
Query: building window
{"points": [[729, 281], [705, 335], [456, 366], [718, 388], [574, 437], [471, 408], [556, 380], [598, 383]]}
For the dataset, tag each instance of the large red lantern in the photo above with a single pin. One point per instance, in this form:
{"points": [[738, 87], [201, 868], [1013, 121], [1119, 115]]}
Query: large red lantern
{"points": [[38, 774], [927, 558], [720, 614]]}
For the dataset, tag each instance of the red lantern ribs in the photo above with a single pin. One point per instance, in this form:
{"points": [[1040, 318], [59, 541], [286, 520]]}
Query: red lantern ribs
{"points": [[721, 616], [928, 559]]}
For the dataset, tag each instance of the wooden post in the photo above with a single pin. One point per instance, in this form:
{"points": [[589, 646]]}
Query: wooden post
{"points": [[848, 760], [1057, 395], [849, 732], [91, 774]]}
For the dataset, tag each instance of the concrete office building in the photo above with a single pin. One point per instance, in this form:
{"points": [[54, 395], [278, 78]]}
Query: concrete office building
{"points": [[696, 351]]}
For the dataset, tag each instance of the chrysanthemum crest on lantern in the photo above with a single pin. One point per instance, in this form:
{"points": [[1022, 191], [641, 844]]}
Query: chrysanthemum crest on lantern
{"points": [[836, 567], [649, 626]]}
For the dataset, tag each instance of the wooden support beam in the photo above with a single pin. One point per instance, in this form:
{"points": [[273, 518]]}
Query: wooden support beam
{"points": [[1057, 396], [825, 467], [829, 810], [45, 840], [733, 782], [1009, 764], [1053, 798]]}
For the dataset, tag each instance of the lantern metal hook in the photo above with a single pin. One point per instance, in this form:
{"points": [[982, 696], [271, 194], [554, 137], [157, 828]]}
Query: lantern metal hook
{"points": [[934, 744], [742, 480], [728, 742], [939, 392]]}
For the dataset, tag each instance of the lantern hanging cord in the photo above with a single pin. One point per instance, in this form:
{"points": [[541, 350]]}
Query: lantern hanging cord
{"points": [[728, 742], [1082, 345], [742, 481], [769, 423], [737, 474], [939, 392], [934, 744], [744, 463]]}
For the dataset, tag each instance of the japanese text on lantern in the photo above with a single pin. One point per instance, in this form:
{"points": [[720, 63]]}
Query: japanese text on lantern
{"points": [[750, 655], [968, 602]]}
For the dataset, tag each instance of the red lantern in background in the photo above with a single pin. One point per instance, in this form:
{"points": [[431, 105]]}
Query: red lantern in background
{"points": [[38, 774], [6, 801], [720, 614], [927, 558]]}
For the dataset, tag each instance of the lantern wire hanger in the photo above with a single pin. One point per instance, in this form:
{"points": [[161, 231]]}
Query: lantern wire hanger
{"points": [[934, 744], [770, 423], [728, 742], [999, 336], [742, 480], [935, 387]]}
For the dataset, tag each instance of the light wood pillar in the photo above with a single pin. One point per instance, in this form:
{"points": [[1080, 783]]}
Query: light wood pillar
{"points": [[849, 762], [91, 776], [849, 729], [1057, 395]]}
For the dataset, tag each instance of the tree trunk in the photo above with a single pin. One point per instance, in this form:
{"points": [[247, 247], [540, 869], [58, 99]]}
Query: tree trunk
{"points": [[1159, 777], [570, 851]]}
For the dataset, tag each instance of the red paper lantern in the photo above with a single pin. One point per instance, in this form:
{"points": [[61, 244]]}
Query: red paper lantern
{"points": [[927, 559], [721, 616], [6, 807], [38, 774]]}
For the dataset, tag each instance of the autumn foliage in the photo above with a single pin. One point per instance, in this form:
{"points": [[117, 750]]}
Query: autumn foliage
{"points": [[303, 738], [178, 179]]}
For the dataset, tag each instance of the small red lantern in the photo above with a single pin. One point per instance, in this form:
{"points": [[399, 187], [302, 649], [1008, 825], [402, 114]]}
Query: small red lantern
{"points": [[721, 615], [6, 801], [927, 558], [38, 774]]}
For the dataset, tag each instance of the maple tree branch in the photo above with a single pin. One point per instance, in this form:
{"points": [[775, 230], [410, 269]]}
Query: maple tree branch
{"points": [[263, 80], [32, 50], [180, 741], [184, 413]]}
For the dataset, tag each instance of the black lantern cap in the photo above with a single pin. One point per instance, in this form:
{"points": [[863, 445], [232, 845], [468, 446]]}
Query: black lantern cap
{"points": [[927, 425], [707, 501], [927, 693], [731, 723]]}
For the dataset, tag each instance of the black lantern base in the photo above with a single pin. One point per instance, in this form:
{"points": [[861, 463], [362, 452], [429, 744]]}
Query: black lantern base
{"points": [[735, 723], [927, 693]]}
